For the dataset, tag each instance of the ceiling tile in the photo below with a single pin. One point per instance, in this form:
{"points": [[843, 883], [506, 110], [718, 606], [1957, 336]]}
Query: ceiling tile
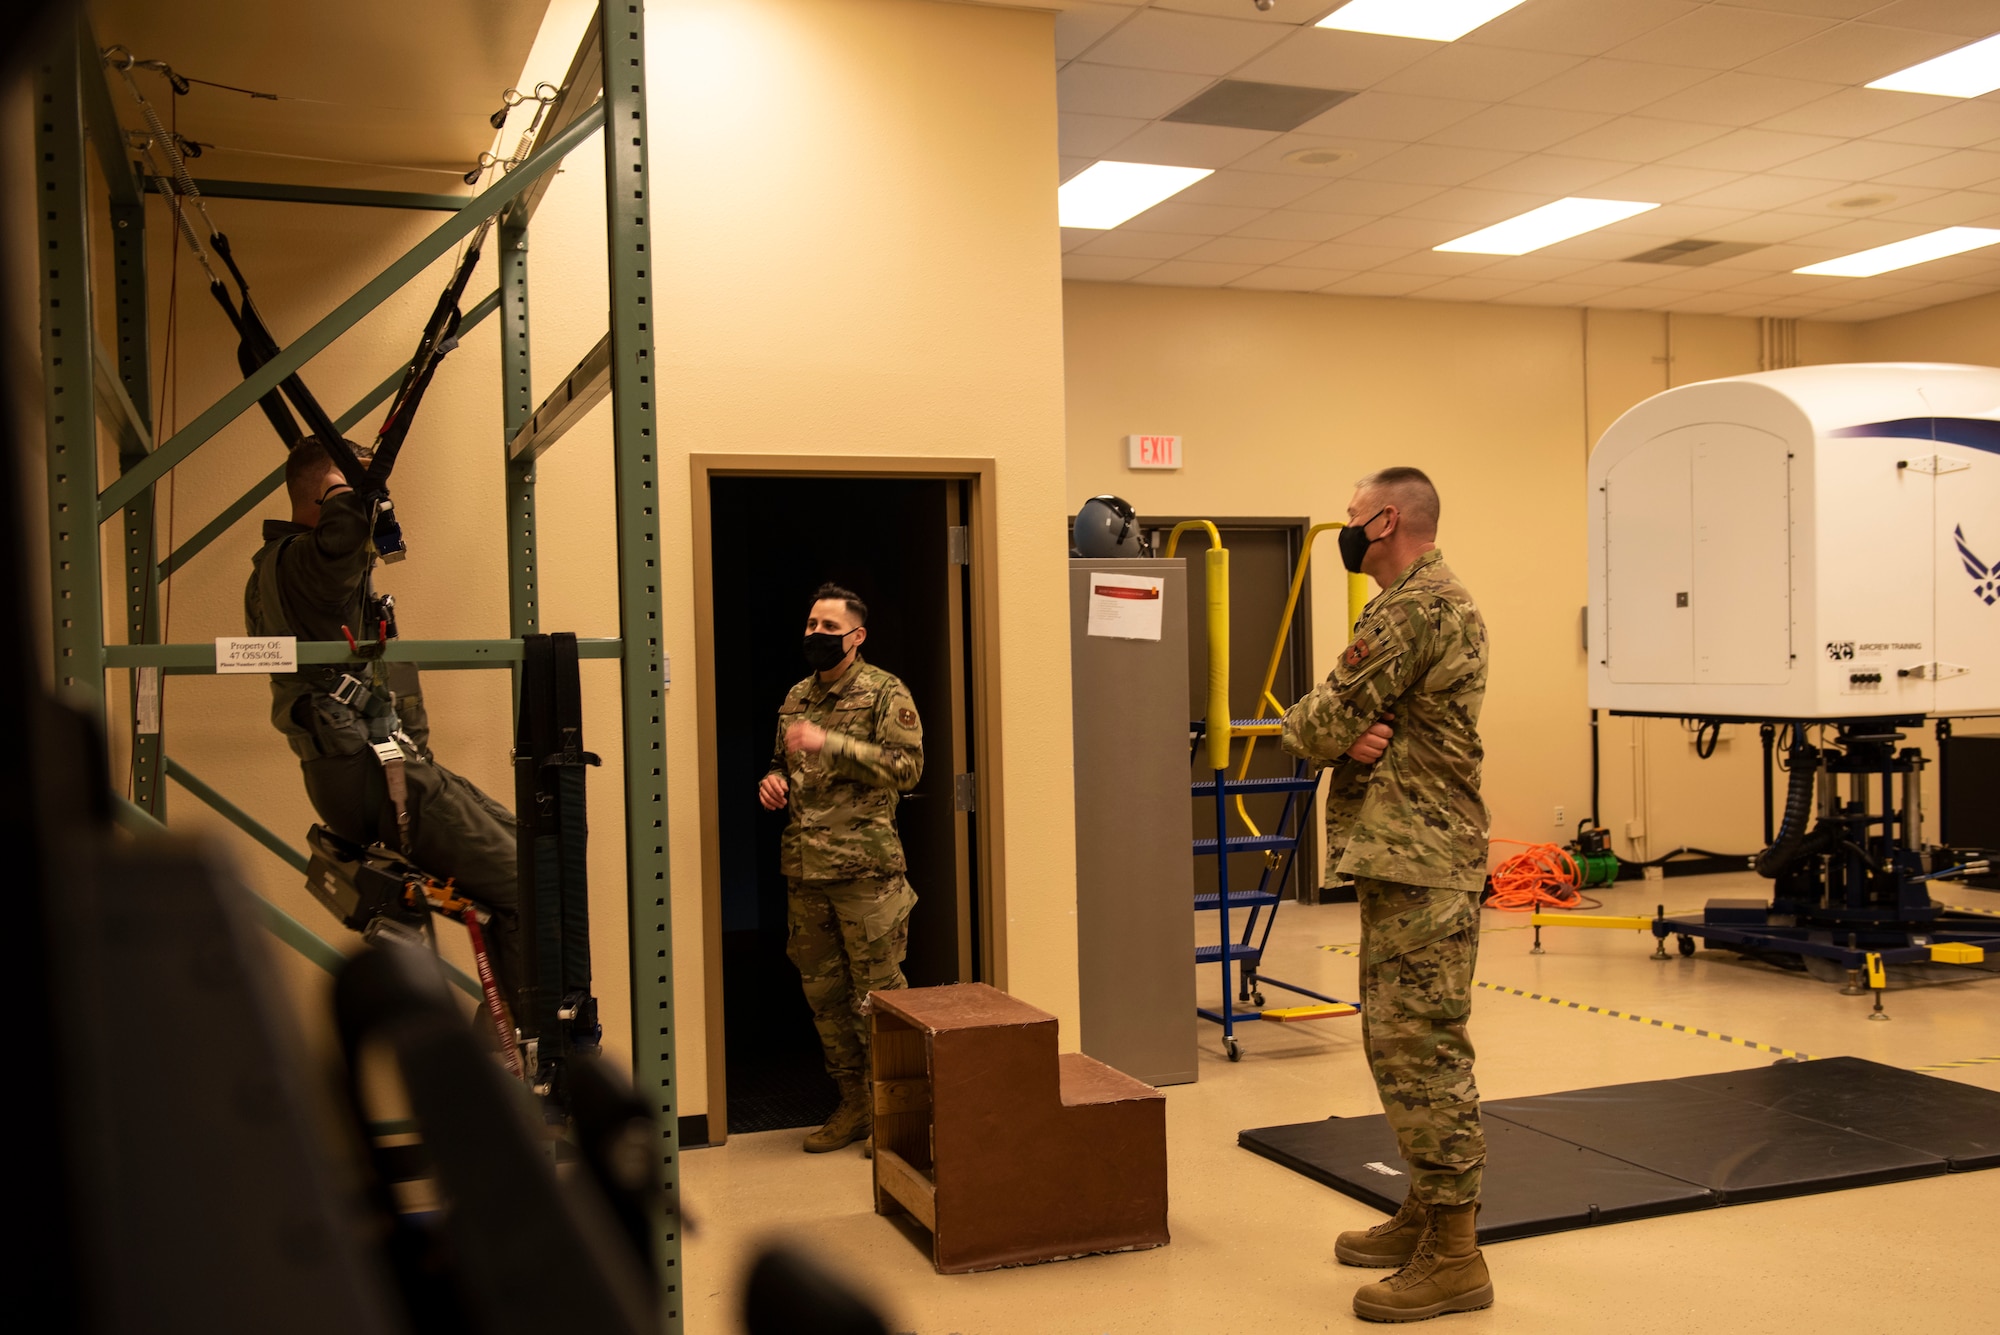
{"points": [[1775, 260], [1701, 278], [1245, 250], [1720, 38], [1638, 299], [1688, 220], [1661, 185], [1177, 145], [1518, 129], [1751, 150], [1141, 245], [1739, 99], [1766, 228], [1202, 219], [1618, 276], [1705, 303], [1109, 90], [1072, 237], [1291, 225], [1379, 284], [1406, 233], [1080, 25], [1341, 255], [1854, 53], [1093, 136], [1195, 273], [1259, 190], [1854, 111], [1468, 289], [1395, 116], [1859, 160], [1067, 167], [1557, 294], [1967, 125], [1476, 207], [1549, 173], [1271, 157], [1788, 285], [1284, 278], [1761, 192], [1829, 9], [1324, 58], [1536, 268], [1368, 198], [1102, 268], [1579, 27], [1607, 245], [1610, 86], [1861, 234], [1435, 164], [1158, 39], [1960, 208], [1862, 201], [1482, 73], [1967, 169], [1961, 18], [1292, 12], [1640, 139], [1438, 264]]}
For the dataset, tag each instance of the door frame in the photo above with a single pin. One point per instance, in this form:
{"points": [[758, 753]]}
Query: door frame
{"points": [[982, 689]]}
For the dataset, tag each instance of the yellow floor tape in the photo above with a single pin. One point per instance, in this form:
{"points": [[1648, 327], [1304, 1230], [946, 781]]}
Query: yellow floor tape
{"points": [[1961, 1065], [1621, 1015]]}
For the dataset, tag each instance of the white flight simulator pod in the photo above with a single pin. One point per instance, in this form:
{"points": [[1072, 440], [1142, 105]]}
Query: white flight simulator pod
{"points": [[1814, 543]]}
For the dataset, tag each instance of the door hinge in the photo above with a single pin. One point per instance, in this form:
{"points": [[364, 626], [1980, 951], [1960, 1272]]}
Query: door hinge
{"points": [[963, 790], [1935, 464], [1934, 671], [958, 543]]}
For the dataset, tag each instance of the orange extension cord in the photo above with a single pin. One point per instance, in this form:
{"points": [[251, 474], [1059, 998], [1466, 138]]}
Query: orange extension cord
{"points": [[1542, 876]]}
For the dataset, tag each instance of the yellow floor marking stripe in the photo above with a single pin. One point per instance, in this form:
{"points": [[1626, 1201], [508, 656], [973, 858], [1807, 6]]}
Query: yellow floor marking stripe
{"points": [[1609, 1013], [1961, 1065]]}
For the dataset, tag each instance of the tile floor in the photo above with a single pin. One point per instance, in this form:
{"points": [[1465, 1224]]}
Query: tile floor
{"points": [[1252, 1242]]}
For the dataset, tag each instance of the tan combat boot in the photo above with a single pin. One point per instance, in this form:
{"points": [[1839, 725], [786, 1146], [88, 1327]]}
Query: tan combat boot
{"points": [[1447, 1273], [852, 1120], [1387, 1245]]}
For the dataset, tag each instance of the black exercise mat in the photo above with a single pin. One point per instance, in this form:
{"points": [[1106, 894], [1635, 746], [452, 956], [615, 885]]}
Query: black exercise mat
{"points": [[1956, 1122], [1568, 1160], [1535, 1183]]}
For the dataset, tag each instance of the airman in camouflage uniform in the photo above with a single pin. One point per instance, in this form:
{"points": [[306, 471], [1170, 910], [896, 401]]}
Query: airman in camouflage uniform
{"points": [[1397, 721], [849, 742], [312, 579]]}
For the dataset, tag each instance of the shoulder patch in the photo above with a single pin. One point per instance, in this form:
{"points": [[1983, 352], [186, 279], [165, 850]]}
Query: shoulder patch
{"points": [[906, 716], [1357, 653]]}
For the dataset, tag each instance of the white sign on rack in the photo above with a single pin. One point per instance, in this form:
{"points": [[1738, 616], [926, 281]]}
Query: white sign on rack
{"points": [[1125, 607], [256, 653], [1153, 451]]}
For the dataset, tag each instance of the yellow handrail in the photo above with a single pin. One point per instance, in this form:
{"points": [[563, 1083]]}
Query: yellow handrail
{"points": [[1217, 571], [1357, 598]]}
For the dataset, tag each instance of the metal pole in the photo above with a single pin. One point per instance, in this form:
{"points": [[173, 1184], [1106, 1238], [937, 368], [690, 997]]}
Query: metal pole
{"points": [[142, 577], [635, 443], [62, 217], [517, 405]]}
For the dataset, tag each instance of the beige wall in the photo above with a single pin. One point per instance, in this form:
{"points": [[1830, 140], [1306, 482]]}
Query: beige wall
{"points": [[1285, 399], [856, 241]]}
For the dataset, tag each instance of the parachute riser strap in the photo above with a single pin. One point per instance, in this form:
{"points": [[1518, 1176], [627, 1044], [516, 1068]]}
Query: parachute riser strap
{"points": [[394, 774], [496, 1005]]}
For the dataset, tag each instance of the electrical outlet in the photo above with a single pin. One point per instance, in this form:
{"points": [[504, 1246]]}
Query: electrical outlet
{"points": [[1559, 818], [1635, 829]]}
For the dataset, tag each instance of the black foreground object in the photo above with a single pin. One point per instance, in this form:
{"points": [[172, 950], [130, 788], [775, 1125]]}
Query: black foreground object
{"points": [[788, 1293], [1599, 1156]]}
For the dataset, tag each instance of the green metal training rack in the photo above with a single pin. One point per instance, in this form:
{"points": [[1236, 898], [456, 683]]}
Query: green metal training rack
{"points": [[86, 385]]}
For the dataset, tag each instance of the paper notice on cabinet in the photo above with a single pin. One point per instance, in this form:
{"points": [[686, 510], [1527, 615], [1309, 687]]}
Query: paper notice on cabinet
{"points": [[1126, 607]]}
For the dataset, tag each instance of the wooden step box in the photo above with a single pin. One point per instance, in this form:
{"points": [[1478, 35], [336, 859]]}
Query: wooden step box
{"points": [[1006, 1151]]}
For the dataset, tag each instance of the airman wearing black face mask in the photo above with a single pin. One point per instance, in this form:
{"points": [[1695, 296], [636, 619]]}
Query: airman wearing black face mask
{"points": [[849, 742]]}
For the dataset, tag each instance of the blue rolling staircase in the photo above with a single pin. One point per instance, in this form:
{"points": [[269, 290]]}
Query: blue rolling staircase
{"points": [[1241, 960]]}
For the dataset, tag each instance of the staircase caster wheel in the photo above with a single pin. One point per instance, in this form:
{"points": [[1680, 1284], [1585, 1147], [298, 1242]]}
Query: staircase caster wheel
{"points": [[1233, 1048], [1256, 998], [1687, 945]]}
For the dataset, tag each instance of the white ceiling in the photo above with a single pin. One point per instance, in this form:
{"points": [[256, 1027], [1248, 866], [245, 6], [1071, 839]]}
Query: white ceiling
{"points": [[1745, 119]]}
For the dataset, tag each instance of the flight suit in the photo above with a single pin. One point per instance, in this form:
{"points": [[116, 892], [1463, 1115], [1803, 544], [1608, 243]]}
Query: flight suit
{"points": [[848, 910], [309, 583], [1411, 830]]}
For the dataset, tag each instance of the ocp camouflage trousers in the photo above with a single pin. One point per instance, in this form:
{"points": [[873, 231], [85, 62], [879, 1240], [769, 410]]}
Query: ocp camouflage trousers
{"points": [[1418, 947], [847, 939]]}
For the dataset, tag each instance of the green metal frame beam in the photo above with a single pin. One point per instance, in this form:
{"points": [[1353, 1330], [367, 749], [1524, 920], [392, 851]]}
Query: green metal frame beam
{"points": [[581, 86], [516, 407], [635, 461], [254, 497], [285, 193], [100, 115], [186, 659], [115, 407], [567, 404], [343, 317]]}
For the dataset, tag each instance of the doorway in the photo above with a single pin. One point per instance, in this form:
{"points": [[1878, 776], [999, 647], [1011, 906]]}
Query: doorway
{"points": [[904, 545], [1263, 553]]}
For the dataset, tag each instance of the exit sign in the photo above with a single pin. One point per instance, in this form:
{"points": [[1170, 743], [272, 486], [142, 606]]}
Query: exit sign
{"points": [[1153, 451]]}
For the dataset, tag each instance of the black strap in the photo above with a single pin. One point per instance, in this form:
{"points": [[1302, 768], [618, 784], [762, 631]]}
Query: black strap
{"points": [[440, 336]]}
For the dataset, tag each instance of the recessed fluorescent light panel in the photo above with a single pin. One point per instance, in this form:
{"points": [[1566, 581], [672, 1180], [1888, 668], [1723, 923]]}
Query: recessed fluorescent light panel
{"points": [[1545, 226], [1970, 71], [1105, 194], [1432, 20], [1902, 254]]}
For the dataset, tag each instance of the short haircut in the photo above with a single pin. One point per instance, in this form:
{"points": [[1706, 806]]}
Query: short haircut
{"points": [[304, 467], [835, 593], [1411, 491]]}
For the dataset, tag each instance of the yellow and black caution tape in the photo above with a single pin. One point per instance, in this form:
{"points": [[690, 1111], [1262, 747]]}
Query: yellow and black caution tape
{"points": [[1961, 1065], [1609, 1013]]}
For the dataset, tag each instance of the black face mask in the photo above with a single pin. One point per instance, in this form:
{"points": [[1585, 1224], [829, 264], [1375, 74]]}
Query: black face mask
{"points": [[824, 649], [1355, 542]]}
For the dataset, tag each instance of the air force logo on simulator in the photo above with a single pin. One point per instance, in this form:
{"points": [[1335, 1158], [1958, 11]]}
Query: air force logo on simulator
{"points": [[1984, 577]]}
